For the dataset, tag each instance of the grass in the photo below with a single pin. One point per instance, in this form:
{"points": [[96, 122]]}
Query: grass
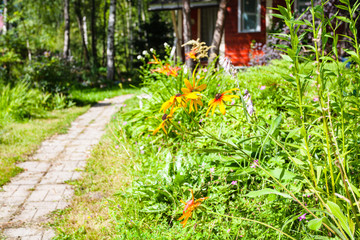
{"points": [[93, 95], [20, 139], [106, 172]]}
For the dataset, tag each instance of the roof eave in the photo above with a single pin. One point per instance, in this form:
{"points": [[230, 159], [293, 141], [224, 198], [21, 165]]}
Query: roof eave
{"points": [[176, 6]]}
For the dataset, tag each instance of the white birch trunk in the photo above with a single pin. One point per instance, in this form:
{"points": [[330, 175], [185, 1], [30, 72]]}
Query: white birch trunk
{"points": [[67, 30], [110, 41]]}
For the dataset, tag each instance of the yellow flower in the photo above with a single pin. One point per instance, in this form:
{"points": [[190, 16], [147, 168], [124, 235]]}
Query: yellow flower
{"points": [[165, 118], [219, 100], [192, 93], [173, 102], [189, 207]]}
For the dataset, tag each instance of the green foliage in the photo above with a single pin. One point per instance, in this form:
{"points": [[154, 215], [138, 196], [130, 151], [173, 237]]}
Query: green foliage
{"points": [[51, 75], [21, 102], [292, 162]]}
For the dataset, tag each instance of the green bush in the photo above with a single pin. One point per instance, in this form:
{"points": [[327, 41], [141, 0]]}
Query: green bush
{"points": [[20, 102], [51, 75]]}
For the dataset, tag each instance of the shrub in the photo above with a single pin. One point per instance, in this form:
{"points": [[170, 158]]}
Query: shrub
{"points": [[52, 75]]}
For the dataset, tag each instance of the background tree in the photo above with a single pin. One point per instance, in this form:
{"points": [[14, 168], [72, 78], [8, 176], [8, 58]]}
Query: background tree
{"points": [[187, 31], [110, 41], [81, 23], [218, 32], [67, 30], [5, 14], [93, 33]]}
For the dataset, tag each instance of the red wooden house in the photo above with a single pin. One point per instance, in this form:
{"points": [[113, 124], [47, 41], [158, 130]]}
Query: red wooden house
{"points": [[246, 21]]}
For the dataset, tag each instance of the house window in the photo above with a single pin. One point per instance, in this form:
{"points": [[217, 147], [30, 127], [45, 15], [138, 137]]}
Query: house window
{"points": [[249, 16]]}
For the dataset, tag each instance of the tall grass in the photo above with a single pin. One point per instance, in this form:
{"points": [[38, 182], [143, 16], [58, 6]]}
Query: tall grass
{"points": [[20, 101]]}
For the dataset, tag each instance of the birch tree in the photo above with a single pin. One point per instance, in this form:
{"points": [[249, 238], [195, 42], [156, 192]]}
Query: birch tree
{"points": [[67, 30], [187, 31], [218, 32], [81, 23], [93, 33], [5, 17], [110, 41]]}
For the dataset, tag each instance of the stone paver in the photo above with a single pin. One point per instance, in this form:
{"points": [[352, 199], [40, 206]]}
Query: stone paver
{"points": [[28, 199]]}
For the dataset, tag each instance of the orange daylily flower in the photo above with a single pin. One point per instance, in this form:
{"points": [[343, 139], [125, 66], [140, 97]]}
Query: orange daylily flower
{"points": [[154, 62], [192, 92], [191, 54], [162, 70], [189, 207], [219, 99], [167, 70], [172, 70]]}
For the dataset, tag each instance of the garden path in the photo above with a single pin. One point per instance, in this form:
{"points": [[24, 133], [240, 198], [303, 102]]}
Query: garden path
{"points": [[27, 200]]}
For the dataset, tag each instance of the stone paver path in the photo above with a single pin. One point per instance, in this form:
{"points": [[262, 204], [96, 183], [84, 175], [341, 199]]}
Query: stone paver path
{"points": [[30, 196]]}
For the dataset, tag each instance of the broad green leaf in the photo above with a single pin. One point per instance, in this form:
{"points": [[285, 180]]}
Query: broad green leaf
{"points": [[283, 174], [266, 191], [339, 215], [315, 224], [286, 57]]}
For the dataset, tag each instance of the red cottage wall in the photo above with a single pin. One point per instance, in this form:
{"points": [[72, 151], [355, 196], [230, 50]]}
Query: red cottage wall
{"points": [[237, 45]]}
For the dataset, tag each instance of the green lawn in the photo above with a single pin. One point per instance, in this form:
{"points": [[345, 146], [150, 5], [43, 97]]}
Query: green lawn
{"points": [[19, 140]]}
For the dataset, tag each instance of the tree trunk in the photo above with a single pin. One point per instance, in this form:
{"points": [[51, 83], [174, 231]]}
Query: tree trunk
{"points": [[93, 33], [67, 30], [5, 14], [110, 41], [219, 29], [81, 27], [104, 33], [187, 32]]}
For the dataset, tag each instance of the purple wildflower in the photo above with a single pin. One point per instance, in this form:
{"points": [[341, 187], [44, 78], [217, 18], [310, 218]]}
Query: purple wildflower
{"points": [[315, 99], [255, 163], [262, 87], [233, 182], [124, 123], [212, 170], [117, 146], [302, 217]]}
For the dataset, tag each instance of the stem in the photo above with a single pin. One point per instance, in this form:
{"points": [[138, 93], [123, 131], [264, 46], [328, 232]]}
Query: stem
{"points": [[255, 221]]}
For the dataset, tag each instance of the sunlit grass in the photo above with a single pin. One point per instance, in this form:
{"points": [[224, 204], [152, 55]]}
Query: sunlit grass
{"points": [[20, 139], [93, 95], [88, 216]]}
